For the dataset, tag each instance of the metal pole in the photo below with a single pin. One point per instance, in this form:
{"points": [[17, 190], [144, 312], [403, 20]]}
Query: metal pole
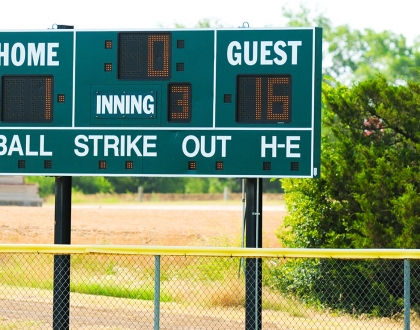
{"points": [[62, 230], [258, 265], [157, 294], [407, 294], [242, 261], [253, 268]]}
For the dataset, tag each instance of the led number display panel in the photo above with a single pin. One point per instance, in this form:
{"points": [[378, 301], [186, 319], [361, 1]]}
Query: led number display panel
{"points": [[144, 56], [264, 99], [179, 104], [27, 99]]}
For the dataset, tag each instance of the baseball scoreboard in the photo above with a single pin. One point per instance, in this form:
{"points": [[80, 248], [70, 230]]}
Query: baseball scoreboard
{"points": [[207, 102]]}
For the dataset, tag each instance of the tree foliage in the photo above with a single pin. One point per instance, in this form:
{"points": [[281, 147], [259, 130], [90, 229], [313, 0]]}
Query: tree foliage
{"points": [[355, 55], [368, 193], [367, 197]]}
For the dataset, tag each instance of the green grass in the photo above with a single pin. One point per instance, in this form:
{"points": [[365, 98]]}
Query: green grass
{"points": [[118, 291], [131, 198], [20, 325]]}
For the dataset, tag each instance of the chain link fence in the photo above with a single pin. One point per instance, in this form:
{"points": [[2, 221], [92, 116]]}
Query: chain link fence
{"points": [[208, 288]]}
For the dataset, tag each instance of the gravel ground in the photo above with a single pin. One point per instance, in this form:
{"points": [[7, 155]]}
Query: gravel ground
{"points": [[151, 224]]}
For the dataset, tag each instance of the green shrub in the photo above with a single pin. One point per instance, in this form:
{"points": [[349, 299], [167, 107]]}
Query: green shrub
{"points": [[372, 287]]}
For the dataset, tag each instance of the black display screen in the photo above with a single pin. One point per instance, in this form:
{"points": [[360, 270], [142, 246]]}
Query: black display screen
{"points": [[264, 99], [144, 56], [27, 99]]}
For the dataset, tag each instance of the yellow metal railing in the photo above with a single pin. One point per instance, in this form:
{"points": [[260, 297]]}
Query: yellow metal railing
{"points": [[214, 251]]}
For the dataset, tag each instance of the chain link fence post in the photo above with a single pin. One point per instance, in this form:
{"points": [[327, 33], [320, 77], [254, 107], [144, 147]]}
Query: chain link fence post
{"points": [[157, 294], [407, 306]]}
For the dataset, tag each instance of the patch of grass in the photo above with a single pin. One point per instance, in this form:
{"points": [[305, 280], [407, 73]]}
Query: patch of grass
{"points": [[154, 198], [24, 270], [118, 291], [230, 294], [5, 325], [278, 302]]}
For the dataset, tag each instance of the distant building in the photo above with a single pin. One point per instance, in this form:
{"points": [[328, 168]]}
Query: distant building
{"points": [[14, 191]]}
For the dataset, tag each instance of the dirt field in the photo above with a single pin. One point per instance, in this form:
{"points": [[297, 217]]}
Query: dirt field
{"points": [[159, 223]]}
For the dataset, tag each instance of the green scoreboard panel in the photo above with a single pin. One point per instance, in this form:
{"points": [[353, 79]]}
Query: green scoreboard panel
{"points": [[207, 102]]}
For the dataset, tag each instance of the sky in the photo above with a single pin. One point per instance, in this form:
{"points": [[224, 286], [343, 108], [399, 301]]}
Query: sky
{"points": [[400, 17]]}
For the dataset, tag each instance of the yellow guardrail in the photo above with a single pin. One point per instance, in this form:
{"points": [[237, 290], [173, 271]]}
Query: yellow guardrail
{"points": [[213, 251]]}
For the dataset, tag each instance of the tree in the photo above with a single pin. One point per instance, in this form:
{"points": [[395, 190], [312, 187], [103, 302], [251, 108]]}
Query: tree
{"points": [[368, 193], [354, 55], [367, 197]]}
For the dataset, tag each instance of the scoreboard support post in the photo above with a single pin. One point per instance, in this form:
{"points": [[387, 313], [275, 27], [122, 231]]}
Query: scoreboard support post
{"points": [[253, 267], [62, 230]]}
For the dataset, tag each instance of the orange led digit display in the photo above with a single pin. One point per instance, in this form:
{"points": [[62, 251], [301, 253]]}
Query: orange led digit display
{"points": [[144, 56], [27, 99], [264, 99], [158, 56], [179, 103]]}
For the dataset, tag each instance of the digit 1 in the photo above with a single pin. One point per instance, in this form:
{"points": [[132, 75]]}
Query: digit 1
{"points": [[258, 93]]}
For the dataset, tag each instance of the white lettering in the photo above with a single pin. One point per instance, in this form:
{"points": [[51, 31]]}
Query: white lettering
{"points": [[36, 55], [212, 148], [196, 149], [127, 104], [3, 145], [5, 54], [113, 145], [234, 58], [81, 145], [42, 151], [265, 52], [33, 54], [147, 145], [131, 145], [18, 48], [28, 151], [119, 104], [294, 45], [108, 145], [51, 54], [290, 146], [148, 106], [254, 53], [136, 104], [106, 104], [280, 52], [122, 105], [15, 145], [122, 145], [272, 146], [95, 139], [98, 104], [200, 145], [224, 139]]}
